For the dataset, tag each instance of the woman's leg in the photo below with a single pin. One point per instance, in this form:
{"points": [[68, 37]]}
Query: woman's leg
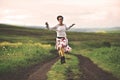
{"points": [[61, 53], [60, 48]]}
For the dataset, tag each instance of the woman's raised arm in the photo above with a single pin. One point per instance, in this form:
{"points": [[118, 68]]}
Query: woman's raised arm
{"points": [[70, 26], [48, 27]]}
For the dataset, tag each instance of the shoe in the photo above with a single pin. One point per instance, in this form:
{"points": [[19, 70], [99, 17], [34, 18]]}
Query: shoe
{"points": [[63, 60]]}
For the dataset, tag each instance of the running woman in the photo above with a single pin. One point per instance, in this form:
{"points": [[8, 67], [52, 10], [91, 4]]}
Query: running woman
{"points": [[61, 40]]}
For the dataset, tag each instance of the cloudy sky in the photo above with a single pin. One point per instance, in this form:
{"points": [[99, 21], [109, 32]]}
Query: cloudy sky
{"points": [[84, 13]]}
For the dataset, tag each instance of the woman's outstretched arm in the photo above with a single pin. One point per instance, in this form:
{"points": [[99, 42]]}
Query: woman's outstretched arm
{"points": [[48, 27], [70, 26]]}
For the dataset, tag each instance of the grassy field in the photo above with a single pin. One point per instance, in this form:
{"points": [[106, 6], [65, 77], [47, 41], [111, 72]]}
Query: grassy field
{"points": [[102, 49], [107, 58], [18, 55], [21, 47]]}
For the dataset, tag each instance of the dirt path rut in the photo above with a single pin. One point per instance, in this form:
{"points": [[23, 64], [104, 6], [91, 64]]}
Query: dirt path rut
{"points": [[40, 73], [91, 71]]}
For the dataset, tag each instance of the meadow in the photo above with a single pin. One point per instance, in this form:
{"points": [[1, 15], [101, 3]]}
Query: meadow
{"points": [[23, 47], [18, 55], [102, 48]]}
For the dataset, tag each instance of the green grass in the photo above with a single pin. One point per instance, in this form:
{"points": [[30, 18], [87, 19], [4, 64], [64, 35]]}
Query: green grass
{"points": [[106, 58], [21, 55], [21, 34], [61, 71], [102, 46], [114, 31], [104, 53], [22, 47]]}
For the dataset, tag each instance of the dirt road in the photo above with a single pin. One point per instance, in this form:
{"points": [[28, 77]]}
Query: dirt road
{"points": [[91, 71], [41, 72]]}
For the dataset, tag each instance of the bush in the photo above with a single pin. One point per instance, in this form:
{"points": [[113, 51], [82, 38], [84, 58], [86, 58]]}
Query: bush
{"points": [[106, 44]]}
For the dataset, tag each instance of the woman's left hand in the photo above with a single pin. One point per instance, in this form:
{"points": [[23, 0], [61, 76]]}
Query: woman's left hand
{"points": [[73, 24]]}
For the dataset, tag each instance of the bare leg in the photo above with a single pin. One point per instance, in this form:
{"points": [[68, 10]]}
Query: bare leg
{"points": [[61, 53]]}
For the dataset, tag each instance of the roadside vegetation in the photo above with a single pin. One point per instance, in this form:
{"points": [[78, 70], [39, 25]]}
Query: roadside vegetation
{"points": [[22, 47], [67, 71], [21, 55], [102, 49]]}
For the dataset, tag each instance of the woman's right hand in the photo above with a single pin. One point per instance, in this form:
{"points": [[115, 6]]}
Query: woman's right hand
{"points": [[47, 25]]}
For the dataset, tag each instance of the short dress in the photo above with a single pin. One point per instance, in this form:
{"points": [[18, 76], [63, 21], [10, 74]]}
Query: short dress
{"points": [[61, 39]]}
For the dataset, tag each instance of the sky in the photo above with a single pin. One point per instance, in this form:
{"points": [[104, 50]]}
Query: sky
{"points": [[84, 13]]}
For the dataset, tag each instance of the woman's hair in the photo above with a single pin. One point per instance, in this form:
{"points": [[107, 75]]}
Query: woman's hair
{"points": [[59, 17]]}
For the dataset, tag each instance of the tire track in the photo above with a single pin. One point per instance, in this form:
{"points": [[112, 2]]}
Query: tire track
{"points": [[91, 71], [40, 73]]}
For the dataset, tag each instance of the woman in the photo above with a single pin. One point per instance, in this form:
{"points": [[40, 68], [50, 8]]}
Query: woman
{"points": [[61, 40]]}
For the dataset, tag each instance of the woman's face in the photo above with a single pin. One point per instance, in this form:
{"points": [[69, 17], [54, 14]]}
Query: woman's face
{"points": [[60, 20]]}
